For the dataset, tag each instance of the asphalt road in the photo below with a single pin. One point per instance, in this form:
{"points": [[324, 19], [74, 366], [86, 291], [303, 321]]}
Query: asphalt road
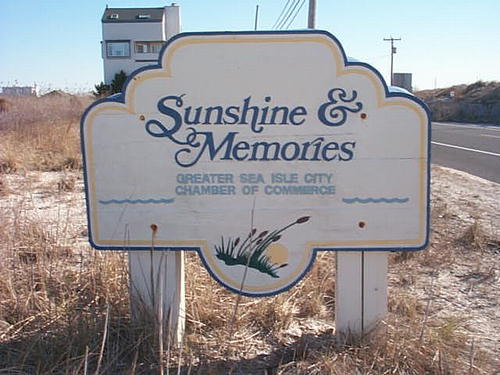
{"points": [[471, 148]]}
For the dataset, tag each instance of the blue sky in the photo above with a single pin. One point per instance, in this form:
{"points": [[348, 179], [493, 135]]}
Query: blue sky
{"points": [[55, 43]]}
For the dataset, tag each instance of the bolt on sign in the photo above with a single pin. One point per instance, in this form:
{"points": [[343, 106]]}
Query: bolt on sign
{"points": [[257, 150]]}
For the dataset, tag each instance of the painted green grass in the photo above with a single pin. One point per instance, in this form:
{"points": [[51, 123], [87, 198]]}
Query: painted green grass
{"points": [[251, 251]]}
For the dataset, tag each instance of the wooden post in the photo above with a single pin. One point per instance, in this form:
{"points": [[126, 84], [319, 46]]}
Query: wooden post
{"points": [[157, 279], [311, 19], [361, 293]]}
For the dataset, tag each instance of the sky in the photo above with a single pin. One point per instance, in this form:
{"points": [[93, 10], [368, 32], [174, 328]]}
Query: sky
{"points": [[56, 43]]}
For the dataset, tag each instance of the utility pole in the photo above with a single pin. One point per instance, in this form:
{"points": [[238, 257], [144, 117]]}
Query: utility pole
{"points": [[393, 51], [311, 21], [256, 17]]}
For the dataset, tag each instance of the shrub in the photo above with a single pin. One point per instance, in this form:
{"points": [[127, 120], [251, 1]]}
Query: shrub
{"points": [[101, 90], [116, 86], [118, 82]]}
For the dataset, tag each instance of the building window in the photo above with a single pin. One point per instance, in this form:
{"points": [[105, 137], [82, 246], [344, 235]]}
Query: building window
{"points": [[148, 47], [118, 49]]}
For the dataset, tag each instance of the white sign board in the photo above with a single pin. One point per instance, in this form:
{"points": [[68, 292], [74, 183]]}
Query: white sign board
{"points": [[257, 150]]}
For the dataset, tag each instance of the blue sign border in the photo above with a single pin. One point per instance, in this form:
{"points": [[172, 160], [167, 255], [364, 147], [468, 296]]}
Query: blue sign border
{"points": [[389, 93]]}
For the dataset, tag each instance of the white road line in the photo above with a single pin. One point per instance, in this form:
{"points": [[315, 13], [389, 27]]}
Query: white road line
{"points": [[466, 149], [490, 135], [487, 127]]}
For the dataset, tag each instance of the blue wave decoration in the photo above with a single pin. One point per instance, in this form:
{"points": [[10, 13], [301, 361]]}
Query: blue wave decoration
{"points": [[136, 201], [374, 200]]}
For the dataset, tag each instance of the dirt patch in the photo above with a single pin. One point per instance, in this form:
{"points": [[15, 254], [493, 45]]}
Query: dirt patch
{"points": [[457, 276]]}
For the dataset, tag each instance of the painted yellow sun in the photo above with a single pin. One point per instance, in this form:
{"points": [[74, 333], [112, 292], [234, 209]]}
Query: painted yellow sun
{"points": [[277, 253]]}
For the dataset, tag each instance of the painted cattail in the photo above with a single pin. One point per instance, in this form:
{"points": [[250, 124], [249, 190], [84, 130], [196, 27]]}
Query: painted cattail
{"points": [[236, 241], [262, 234], [276, 267], [303, 219], [276, 238]]}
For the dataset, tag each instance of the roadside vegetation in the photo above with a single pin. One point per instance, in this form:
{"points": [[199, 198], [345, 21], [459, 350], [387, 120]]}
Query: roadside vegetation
{"points": [[64, 308], [41, 134], [478, 102]]}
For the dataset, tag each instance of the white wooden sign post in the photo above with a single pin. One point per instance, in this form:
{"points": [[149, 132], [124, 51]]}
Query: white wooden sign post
{"points": [[157, 288], [360, 292], [257, 150]]}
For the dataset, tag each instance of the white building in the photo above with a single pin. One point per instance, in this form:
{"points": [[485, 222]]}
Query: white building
{"points": [[133, 37], [20, 91]]}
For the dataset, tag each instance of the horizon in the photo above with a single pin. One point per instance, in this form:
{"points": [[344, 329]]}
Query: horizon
{"points": [[462, 54]]}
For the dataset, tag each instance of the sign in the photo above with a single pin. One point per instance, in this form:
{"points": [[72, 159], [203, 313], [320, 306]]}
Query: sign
{"points": [[257, 149]]}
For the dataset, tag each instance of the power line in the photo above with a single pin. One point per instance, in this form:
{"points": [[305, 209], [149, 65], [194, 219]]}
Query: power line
{"points": [[297, 12], [295, 3], [282, 11], [289, 13]]}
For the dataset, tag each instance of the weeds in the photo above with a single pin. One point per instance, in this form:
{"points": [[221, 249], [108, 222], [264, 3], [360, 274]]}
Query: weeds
{"points": [[53, 302], [41, 133], [4, 187], [63, 311], [474, 237], [4, 105], [66, 184], [64, 308]]}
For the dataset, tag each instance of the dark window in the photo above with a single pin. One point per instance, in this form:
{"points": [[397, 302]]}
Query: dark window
{"points": [[118, 49]]}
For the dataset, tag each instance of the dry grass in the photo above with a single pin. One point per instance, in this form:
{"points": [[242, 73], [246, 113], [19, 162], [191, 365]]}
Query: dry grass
{"points": [[56, 297], [4, 105], [479, 91], [51, 298], [41, 133], [64, 308], [478, 102], [4, 188]]}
